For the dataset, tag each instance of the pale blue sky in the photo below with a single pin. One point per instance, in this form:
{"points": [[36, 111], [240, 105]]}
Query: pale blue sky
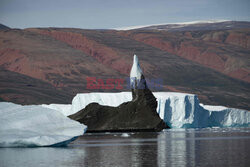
{"points": [[100, 14]]}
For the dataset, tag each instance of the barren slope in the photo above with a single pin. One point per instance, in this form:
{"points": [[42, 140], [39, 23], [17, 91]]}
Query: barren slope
{"points": [[61, 59]]}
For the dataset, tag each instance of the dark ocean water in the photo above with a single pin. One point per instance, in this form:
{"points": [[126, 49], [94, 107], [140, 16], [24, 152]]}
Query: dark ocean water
{"points": [[191, 147]]}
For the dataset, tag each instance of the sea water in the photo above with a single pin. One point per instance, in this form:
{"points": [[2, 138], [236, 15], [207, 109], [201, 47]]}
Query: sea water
{"points": [[173, 147]]}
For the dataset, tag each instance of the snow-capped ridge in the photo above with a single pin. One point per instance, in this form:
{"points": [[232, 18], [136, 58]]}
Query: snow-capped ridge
{"points": [[177, 23]]}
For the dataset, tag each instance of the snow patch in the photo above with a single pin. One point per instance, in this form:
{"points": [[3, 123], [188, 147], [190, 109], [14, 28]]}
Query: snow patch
{"points": [[30, 126], [125, 135], [180, 24], [213, 108]]}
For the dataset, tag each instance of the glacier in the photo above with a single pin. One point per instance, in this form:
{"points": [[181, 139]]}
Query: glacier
{"points": [[178, 110], [32, 126]]}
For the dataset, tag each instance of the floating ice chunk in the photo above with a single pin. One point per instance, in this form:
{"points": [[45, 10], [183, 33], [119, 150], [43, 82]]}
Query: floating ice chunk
{"points": [[125, 135], [29, 126]]}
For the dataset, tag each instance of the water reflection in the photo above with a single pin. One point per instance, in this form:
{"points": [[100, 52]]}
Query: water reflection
{"points": [[139, 150], [30, 157], [170, 148], [174, 150]]}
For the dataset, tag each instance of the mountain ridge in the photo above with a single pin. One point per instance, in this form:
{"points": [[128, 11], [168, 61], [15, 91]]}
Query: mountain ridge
{"points": [[4, 27], [65, 57], [220, 24]]}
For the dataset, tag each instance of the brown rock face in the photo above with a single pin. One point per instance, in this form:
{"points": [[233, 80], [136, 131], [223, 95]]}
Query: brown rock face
{"points": [[226, 51], [100, 52], [214, 64]]}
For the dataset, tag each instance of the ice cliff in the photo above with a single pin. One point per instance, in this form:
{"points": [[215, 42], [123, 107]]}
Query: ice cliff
{"points": [[178, 110], [30, 126]]}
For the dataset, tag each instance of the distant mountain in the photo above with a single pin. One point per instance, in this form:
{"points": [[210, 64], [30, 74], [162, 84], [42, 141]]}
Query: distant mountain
{"points": [[214, 64], [19, 88], [193, 26], [3, 27], [199, 26]]}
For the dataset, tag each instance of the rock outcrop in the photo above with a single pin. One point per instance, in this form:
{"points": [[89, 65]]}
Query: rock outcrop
{"points": [[136, 115]]}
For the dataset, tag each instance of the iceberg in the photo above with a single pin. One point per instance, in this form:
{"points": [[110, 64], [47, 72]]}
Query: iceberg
{"points": [[178, 110], [81, 100], [181, 110], [32, 126], [135, 73], [227, 117], [65, 109]]}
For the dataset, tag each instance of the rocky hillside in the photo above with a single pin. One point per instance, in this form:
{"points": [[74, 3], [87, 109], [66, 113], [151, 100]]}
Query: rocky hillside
{"points": [[51, 65], [226, 51], [3, 27]]}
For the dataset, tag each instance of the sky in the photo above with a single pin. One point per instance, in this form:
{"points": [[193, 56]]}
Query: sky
{"points": [[105, 14]]}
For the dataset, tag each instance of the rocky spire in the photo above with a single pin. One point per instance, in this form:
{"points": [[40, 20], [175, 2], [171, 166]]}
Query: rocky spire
{"points": [[136, 115], [135, 73]]}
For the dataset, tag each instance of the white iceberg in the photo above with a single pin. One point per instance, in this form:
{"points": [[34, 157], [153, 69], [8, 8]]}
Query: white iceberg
{"points": [[181, 110], [135, 73], [178, 110], [223, 116], [65, 109], [30, 126], [81, 100]]}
